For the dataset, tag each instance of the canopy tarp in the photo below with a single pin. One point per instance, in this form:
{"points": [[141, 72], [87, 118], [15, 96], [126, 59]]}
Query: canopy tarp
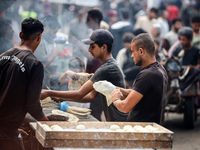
{"points": [[88, 3]]}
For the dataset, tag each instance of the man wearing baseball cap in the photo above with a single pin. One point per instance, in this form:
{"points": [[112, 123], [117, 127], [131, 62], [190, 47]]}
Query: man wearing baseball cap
{"points": [[100, 43]]}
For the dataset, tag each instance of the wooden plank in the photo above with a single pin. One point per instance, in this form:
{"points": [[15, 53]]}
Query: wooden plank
{"points": [[75, 143], [108, 135]]}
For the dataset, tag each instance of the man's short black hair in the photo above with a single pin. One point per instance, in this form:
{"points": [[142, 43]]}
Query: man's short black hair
{"points": [[144, 41], [31, 28], [195, 19], [176, 20], [125, 13], [187, 32], [96, 14]]}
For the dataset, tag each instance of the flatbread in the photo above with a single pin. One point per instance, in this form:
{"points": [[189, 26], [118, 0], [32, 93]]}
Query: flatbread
{"points": [[104, 87], [48, 104], [78, 109], [76, 84], [79, 112]]}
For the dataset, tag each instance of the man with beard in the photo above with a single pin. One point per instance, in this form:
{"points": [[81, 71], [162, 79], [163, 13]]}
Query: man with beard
{"points": [[46, 51], [144, 101]]}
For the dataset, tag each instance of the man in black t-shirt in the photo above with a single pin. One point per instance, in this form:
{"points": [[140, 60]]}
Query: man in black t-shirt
{"points": [[144, 101], [191, 55], [100, 47], [21, 75], [190, 58]]}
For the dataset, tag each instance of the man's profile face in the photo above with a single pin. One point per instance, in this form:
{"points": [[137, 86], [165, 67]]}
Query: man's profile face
{"points": [[95, 50], [136, 55]]}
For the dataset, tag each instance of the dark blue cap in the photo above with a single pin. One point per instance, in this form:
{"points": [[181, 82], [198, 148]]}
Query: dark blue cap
{"points": [[100, 36]]}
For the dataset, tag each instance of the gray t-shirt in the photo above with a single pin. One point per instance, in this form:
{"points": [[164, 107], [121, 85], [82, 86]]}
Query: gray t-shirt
{"points": [[110, 71]]}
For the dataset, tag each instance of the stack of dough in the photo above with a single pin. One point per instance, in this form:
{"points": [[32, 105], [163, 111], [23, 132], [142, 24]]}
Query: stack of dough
{"points": [[72, 118], [105, 88], [79, 112], [48, 104]]}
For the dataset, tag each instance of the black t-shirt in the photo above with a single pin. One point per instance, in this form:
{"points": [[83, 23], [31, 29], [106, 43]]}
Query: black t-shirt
{"points": [[151, 82], [111, 72], [21, 75], [190, 56]]}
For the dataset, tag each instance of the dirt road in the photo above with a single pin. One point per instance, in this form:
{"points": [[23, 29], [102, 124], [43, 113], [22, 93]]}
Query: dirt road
{"points": [[184, 139]]}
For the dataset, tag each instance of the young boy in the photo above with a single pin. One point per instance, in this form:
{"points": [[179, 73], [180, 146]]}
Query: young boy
{"points": [[70, 78], [100, 43]]}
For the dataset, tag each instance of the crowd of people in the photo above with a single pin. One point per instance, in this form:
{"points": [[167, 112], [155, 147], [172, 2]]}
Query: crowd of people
{"points": [[125, 47]]}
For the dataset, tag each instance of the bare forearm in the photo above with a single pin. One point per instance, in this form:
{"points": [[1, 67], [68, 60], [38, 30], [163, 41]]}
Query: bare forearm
{"points": [[65, 94], [128, 103], [90, 97], [119, 104], [125, 92]]}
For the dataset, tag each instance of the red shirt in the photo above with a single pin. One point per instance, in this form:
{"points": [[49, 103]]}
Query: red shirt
{"points": [[173, 12]]}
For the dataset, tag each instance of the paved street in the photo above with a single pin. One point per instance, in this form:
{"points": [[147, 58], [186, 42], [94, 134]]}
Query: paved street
{"points": [[184, 139]]}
